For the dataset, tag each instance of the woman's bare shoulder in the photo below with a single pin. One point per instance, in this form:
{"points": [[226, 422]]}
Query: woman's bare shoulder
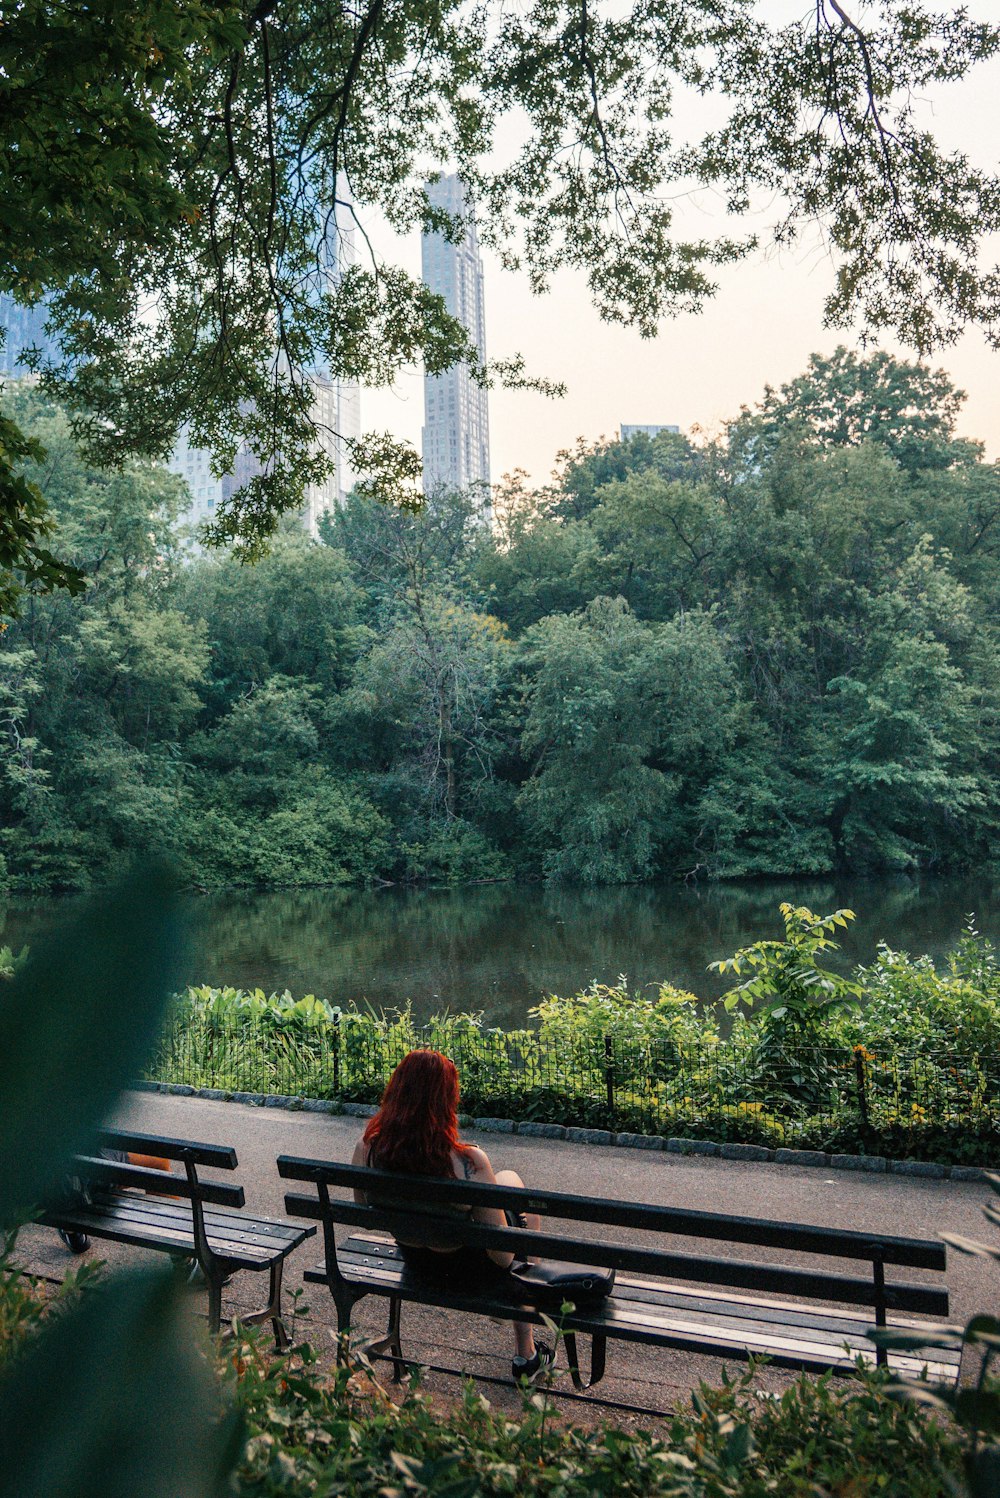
{"points": [[475, 1164], [360, 1156]]}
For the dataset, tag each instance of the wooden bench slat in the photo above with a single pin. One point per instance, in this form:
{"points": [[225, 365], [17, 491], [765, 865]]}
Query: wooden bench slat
{"points": [[653, 1309], [268, 1230], [117, 1173], [169, 1236], [218, 1156], [742, 1313], [220, 1226], [742, 1274], [363, 1244], [844, 1243], [831, 1326], [628, 1327]]}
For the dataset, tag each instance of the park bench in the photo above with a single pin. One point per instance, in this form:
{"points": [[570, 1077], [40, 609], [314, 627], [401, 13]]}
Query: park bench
{"points": [[181, 1215], [802, 1317]]}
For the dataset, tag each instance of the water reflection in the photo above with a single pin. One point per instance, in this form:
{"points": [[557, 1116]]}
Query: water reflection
{"points": [[498, 948]]}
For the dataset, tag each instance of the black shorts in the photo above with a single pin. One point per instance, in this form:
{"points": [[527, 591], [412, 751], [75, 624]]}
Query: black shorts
{"points": [[458, 1266]]}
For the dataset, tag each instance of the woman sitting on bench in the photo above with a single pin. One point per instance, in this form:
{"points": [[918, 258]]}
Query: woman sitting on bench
{"points": [[415, 1132]]}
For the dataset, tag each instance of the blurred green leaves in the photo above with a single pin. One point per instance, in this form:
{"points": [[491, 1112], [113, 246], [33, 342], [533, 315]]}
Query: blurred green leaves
{"points": [[111, 1399], [78, 1021], [972, 1402], [114, 1401]]}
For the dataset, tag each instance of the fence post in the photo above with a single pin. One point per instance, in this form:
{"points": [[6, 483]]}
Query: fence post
{"points": [[336, 1053], [609, 1077], [859, 1074]]}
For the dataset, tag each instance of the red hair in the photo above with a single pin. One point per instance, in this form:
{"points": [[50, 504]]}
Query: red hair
{"points": [[416, 1128]]}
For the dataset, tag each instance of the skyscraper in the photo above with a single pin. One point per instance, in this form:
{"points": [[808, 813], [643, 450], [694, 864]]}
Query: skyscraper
{"points": [[336, 403], [23, 328], [456, 434], [646, 429]]}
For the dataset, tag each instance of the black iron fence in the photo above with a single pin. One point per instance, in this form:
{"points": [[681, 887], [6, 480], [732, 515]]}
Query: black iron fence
{"points": [[761, 1090]]}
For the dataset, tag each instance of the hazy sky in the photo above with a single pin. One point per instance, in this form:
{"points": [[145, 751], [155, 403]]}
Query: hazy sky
{"points": [[760, 329]]}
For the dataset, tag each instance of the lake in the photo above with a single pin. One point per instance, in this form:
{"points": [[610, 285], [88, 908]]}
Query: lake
{"points": [[498, 948]]}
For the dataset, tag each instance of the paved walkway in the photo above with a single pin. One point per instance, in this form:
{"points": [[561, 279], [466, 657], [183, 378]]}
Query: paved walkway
{"points": [[657, 1377]]}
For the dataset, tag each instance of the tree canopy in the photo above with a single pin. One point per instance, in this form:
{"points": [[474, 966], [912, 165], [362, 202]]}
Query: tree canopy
{"points": [[777, 654], [172, 170]]}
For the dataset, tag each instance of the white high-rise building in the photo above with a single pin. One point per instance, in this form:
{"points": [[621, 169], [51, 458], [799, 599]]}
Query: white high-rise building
{"points": [[648, 429], [336, 404], [23, 328], [456, 434]]}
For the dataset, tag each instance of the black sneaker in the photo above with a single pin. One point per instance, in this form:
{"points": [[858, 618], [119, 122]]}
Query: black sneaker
{"points": [[532, 1369], [77, 1243]]}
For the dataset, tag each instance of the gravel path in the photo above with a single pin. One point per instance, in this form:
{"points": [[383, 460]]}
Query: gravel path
{"points": [[643, 1376]]}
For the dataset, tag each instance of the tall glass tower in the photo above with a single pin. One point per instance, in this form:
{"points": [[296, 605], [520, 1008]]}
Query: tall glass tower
{"points": [[23, 328], [456, 434], [336, 402]]}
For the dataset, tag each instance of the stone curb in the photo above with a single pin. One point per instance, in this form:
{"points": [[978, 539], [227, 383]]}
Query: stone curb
{"points": [[691, 1147], [923, 1169], [590, 1136]]}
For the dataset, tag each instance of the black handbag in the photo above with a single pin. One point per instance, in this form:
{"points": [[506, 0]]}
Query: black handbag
{"points": [[550, 1282]]}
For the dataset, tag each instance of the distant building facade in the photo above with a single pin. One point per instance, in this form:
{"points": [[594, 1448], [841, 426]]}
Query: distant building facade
{"points": [[336, 406], [647, 429], [23, 328], [336, 402], [456, 432]]}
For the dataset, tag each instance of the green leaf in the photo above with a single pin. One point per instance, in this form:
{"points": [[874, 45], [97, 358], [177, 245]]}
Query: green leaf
{"points": [[739, 1446], [971, 1246], [982, 1328], [983, 1472], [904, 1341], [78, 1022], [978, 1409], [114, 1401], [937, 1398]]}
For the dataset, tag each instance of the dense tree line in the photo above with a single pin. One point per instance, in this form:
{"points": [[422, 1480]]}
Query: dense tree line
{"points": [[774, 653]]}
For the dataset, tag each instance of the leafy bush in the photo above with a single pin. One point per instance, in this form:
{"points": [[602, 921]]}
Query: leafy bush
{"points": [[25, 1302], [77, 1022], [343, 1435], [913, 1069]]}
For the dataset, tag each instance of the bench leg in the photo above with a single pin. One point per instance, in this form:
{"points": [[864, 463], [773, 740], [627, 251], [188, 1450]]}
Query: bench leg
{"points": [[272, 1311], [390, 1342], [214, 1304], [345, 1303], [598, 1354]]}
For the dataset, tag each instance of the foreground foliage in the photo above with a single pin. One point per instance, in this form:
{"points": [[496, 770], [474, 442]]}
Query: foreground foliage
{"points": [[70, 1048], [899, 1060], [820, 1437], [307, 1429]]}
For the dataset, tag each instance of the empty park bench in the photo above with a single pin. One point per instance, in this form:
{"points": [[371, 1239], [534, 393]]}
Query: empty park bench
{"points": [[178, 1214], [800, 1317]]}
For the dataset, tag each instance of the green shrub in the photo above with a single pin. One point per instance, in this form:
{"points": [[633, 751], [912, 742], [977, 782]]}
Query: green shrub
{"points": [[912, 1070], [310, 1434]]}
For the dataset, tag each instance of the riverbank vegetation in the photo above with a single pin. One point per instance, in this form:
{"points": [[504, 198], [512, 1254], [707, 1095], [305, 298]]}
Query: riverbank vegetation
{"points": [[898, 1059], [775, 653]]}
